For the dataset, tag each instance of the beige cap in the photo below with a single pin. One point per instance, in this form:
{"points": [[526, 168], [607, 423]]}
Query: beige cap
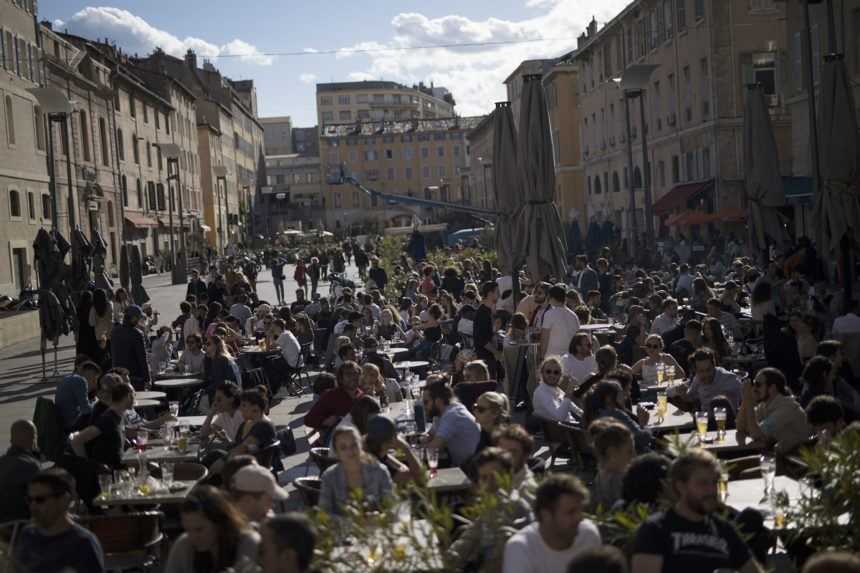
{"points": [[257, 479]]}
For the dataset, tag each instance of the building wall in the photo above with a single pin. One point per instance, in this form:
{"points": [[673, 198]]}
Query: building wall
{"points": [[414, 158], [561, 87], [694, 99], [481, 165], [376, 101], [23, 163], [277, 135]]}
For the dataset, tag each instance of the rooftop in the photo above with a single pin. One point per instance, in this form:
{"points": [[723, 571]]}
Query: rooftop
{"points": [[368, 129]]}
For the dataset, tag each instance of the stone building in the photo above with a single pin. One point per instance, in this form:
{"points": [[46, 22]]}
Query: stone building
{"points": [[345, 102]]}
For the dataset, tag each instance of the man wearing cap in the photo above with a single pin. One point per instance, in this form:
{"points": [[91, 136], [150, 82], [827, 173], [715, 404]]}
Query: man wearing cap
{"points": [[72, 398], [254, 492], [128, 348]]}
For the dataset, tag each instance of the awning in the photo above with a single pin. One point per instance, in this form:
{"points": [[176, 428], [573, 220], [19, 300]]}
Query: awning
{"points": [[140, 220], [680, 195], [689, 218], [729, 216]]}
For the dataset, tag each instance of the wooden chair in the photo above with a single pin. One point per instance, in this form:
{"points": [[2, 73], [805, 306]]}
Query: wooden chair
{"points": [[309, 488], [130, 541]]}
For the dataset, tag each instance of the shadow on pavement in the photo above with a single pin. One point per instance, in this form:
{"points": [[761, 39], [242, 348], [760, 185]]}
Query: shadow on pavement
{"points": [[48, 353]]}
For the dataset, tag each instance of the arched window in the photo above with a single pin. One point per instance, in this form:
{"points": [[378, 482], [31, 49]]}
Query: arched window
{"points": [[597, 186], [10, 121], [124, 186], [110, 213], [120, 145], [31, 205], [103, 140], [14, 203], [637, 178], [39, 124], [139, 194], [616, 183]]}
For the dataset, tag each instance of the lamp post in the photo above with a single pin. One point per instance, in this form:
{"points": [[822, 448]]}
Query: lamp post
{"points": [[221, 176], [58, 107], [633, 83], [172, 152]]}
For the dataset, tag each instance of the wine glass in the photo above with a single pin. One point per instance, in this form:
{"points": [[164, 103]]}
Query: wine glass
{"points": [[141, 440], [767, 465], [167, 473]]}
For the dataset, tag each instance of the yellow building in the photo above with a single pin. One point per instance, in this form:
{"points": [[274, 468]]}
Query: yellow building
{"points": [[344, 102], [418, 158]]}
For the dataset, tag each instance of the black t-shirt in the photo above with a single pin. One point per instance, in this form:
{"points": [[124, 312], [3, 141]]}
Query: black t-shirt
{"points": [[483, 331], [688, 546], [75, 549], [107, 448]]}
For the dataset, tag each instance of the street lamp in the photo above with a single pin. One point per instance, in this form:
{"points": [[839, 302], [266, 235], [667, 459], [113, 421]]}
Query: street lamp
{"points": [[58, 108], [221, 175], [633, 83], [171, 152]]}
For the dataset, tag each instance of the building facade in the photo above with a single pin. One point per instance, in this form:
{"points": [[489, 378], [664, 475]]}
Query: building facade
{"points": [[293, 192], [306, 141], [514, 83], [25, 200], [705, 52], [481, 147], [416, 158], [346, 102], [277, 135]]}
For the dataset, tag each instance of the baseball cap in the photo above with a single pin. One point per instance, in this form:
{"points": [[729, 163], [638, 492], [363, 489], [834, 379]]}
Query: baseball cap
{"points": [[257, 479]]}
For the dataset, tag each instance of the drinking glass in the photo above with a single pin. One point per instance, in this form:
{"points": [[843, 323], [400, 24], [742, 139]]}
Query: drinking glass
{"points": [[724, 485], [661, 373], [105, 484], [141, 440], [167, 473], [662, 405], [174, 409], [432, 460], [720, 416], [702, 425], [767, 465]]}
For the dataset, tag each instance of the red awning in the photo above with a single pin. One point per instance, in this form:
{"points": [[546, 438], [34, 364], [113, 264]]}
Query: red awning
{"points": [[688, 218], [140, 220], [679, 195], [729, 216]]}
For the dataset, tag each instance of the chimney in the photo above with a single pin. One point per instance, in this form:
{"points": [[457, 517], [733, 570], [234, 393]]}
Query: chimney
{"points": [[191, 59]]}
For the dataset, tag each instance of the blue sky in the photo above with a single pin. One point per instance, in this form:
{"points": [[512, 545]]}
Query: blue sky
{"points": [[285, 84]]}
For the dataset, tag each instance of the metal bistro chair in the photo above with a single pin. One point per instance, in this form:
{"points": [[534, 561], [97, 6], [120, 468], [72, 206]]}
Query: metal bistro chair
{"points": [[130, 541], [309, 489], [565, 439]]}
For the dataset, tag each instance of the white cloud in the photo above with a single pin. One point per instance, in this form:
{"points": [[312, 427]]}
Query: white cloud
{"points": [[308, 78], [135, 35], [360, 77], [474, 74], [58, 24]]}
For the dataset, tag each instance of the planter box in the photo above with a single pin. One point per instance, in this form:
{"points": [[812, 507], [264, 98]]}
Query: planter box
{"points": [[18, 327]]}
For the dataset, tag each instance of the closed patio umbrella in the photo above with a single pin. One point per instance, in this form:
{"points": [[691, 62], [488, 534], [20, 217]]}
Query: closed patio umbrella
{"points": [[762, 180], [837, 205], [506, 184], [540, 240], [124, 278], [138, 293], [99, 253], [82, 252]]}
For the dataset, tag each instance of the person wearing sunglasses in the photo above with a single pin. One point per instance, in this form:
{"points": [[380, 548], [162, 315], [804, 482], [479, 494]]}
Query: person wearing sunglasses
{"points": [[492, 410], [769, 414], [53, 541], [654, 355], [549, 400]]}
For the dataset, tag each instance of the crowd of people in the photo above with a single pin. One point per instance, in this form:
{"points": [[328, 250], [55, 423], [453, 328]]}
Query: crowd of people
{"points": [[583, 354]]}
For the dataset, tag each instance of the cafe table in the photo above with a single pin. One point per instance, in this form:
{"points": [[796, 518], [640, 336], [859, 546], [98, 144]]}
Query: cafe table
{"points": [[449, 480], [410, 364], [674, 421], [162, 495], [146, 403], [397, 350], [159, 454], [150, 395], [744, 493], [177, 383], [728, 446], [172, 374], [193, 421], [256, 350]]}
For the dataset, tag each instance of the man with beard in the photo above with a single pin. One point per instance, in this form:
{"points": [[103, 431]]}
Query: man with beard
{"points": [[690, 536], [534, 305], [455, 428]]}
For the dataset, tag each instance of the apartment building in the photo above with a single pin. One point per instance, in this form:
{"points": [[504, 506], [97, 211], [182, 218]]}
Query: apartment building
{"points": [[293, 192], [514, 83], [417, 158], [345, 102], [705, 53], [306, 141], [846, 41], [230, 144], [481, 147], [25, 202], [277, 135]]}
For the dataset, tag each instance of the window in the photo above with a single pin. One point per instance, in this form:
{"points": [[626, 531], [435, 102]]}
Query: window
{"points": [[441, 171], [691, 166], [120, 145], [706, 162], [123, 183], [10, 121], [117, 96], [425, 172], [425, 152], [10, 52], [361, 98], [676, 169], [616, 182], [325, 100], [343, 100], [39, 124], [370, 155], [363, 114], [31, 205], [145, 113], [22, 59], [159, 195], [661, 173], [597, 186], [378, 98], [85, 136], [629, 44], [588, 180], [135, 148], [14, 203], [103, 137], [158, 158], [797, 60], [699, 9], [637, 178], [667, 18], [110, 214], [139, 194], [344, 115], [46, 207], [2, 50], [762, 5], [456, 151], [408, 173], [440, 151], [157, 121], [764, 71], [328, 116], [131, 107], [148, 154], [337, 199]]}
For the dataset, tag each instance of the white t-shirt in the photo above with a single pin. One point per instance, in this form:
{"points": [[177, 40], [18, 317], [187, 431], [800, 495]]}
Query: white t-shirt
{"points": [[578, 369], [562, 324], [550, 403], [290, 347], [526, 552], [230, 424]]}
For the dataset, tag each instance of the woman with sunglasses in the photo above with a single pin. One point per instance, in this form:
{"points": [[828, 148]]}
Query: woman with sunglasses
{"points": [[646, 369], [549, 400], [492, 411], [217, 536]]}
